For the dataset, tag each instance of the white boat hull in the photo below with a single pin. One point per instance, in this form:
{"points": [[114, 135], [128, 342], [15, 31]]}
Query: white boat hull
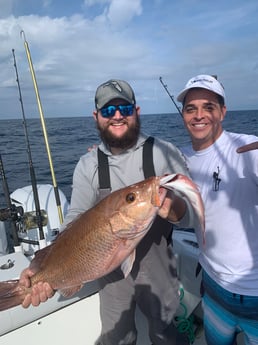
{"points": [[77, 323]]}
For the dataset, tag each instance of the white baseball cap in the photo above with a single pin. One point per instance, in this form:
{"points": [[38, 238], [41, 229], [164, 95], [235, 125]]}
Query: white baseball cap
{"points": [[203, 81]]}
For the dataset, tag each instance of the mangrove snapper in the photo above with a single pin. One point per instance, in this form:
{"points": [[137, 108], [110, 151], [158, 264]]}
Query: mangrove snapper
{"points": [[99, 240]]}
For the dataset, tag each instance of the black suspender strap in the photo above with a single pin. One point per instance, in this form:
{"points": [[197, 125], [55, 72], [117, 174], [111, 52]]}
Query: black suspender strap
{"points": [[147, 158], [103, 170], [147, 161]]}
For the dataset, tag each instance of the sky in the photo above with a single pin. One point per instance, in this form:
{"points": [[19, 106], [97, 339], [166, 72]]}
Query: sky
{"points": [[76, 45]]}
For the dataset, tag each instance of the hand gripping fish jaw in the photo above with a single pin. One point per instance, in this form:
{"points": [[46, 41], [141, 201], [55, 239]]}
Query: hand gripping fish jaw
{"points": [[184, 186]]}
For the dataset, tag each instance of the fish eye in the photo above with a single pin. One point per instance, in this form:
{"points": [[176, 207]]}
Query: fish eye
{"points": [[130, 197]]}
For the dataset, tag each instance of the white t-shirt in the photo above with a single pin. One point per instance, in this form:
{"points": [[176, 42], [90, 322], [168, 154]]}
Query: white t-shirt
{"points": [[230, 254]]}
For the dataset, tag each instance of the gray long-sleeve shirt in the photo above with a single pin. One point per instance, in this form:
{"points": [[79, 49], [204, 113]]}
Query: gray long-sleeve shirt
{"points": [[125, 169]]}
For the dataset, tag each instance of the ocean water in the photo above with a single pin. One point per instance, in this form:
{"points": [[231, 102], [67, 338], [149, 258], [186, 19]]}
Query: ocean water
{"points": [[69, 138]]}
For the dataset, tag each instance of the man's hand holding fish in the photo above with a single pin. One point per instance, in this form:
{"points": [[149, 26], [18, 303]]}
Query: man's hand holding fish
{"points": [[39, 293], [173, 207]]}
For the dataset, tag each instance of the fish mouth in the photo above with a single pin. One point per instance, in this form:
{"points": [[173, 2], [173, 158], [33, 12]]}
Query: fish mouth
{"points": [[162, 194], [158, 193], [167, 178]]}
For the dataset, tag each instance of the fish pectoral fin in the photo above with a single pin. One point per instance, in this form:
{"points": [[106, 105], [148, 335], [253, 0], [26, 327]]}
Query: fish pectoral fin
{"points": [[68, 292], [129, 234], [127, 264]]}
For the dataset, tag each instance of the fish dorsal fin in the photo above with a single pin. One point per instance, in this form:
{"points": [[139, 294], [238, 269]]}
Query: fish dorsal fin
{"points": [[70, 291]]}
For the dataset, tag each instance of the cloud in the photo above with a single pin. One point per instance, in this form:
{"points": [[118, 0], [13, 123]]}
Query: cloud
{"points": [[117, 13], [68, 55], [121, 12], [135, 40]]}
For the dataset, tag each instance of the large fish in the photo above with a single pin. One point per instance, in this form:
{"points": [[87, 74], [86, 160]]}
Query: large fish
{"points": [[100, 239]]}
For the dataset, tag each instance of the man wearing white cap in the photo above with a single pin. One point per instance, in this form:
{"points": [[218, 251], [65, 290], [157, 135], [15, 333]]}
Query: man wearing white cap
{"points": [[228, 183]]}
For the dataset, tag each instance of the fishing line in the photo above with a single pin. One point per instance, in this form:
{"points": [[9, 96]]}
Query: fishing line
{"points": [[32, 170], [57, 197], [171, 97]]}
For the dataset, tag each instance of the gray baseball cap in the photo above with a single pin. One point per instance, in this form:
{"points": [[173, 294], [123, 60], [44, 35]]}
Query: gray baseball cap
{"points": [[112, 89]]}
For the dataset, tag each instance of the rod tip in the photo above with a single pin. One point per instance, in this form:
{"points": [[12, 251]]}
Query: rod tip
{"points": [[22, 34]]}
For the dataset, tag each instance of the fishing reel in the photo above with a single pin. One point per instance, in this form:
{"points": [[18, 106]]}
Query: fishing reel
{"points": [[23, 220], [13, 213], [30, 220]]}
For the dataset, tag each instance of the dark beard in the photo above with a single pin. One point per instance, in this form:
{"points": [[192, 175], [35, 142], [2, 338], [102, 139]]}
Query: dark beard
{"points": [[125, 142]]}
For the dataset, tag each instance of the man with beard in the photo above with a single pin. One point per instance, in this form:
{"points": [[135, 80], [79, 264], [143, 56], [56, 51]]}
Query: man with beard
{"points": [[126, 156]]}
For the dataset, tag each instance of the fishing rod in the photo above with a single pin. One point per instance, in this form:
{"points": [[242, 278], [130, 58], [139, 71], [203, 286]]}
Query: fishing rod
{"points": [[171, 97], [32, 170], [57, 197], [9, 205]]}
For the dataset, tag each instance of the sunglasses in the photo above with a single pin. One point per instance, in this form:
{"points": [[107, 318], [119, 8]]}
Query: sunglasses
{"points": [[125, 110]]}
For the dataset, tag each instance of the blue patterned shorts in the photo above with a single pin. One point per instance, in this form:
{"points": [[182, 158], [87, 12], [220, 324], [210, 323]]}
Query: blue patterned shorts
{"points": [[227, 314]]}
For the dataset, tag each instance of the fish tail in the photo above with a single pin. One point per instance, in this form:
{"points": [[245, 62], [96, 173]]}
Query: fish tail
{"points": [[11, 294]]}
